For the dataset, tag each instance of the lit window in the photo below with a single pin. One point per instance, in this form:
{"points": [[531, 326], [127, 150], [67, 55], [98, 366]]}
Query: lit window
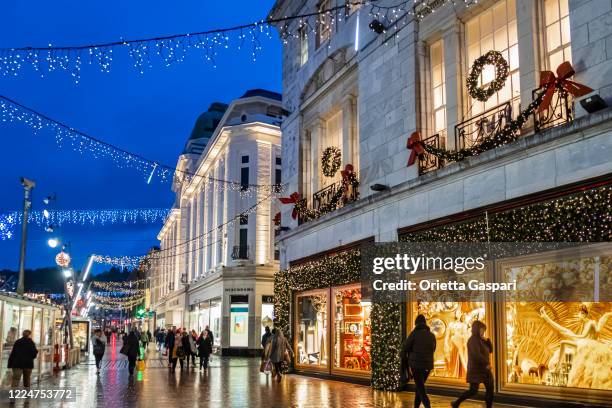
{"points": [[556, 20], [332, 138], [325, 22], [436, 55], [303, 45], [495, 29]]}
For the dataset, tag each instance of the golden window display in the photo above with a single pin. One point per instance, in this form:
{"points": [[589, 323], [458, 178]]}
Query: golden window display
{"points": [[352, 330], [311, 331], [451, 323]]}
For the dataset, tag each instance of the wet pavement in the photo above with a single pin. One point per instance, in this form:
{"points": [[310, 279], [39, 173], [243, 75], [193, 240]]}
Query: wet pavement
{"points": [[229, 382]]}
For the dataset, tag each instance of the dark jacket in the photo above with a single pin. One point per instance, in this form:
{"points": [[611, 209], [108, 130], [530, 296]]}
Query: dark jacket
{"points": [[23, 354], [185, 344], [478, 356], [419, 347], [133, 345], [265, 339], [204, 346], [169, 340]]}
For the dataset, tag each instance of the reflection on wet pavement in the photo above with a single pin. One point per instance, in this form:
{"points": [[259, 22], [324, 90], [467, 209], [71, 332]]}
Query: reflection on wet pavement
{"points": [[229, 382]]}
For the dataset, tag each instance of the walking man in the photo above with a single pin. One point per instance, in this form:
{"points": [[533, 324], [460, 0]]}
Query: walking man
{"points": [[99, 345], [419, 349], [21, 359]]}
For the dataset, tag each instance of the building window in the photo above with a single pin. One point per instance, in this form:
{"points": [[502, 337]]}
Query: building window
{"points": [[494, 29], [277, 177], [303, 45], [436, 57], [326, 21], [333, 138], [244, 178], [245, 159], [244, 219], [556, 20], [311, 329], [279, 161]]}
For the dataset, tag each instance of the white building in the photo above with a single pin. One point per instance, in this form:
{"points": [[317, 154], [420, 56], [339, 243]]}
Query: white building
{"points": [[365, 93], [217, 250]]}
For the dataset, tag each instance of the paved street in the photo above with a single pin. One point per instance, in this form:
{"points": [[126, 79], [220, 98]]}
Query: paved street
{"points": [[230, 382]]}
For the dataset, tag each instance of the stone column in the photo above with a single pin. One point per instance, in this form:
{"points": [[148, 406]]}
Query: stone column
{"points": [[454, 84], [530, 59], [317, 133], [349, 132]]}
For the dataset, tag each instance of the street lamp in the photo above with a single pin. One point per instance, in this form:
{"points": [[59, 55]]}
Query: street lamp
{"points": [[53, 242], [67, 272]]}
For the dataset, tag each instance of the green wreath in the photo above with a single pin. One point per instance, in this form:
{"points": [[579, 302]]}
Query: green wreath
{"points": [[331, 160], [496, 59]]}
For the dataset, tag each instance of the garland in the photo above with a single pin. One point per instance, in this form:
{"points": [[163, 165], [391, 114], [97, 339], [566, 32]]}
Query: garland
{"points": [[331, 160], [501, 74]]}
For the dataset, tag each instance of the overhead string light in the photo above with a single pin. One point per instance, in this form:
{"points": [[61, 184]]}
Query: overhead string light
{"points": [[118, 286], [13, 111], [130, 262]]}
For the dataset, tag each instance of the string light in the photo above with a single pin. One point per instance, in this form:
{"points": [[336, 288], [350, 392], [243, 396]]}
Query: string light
{"points": [[12, 111], [117, 285], [130, 262]]}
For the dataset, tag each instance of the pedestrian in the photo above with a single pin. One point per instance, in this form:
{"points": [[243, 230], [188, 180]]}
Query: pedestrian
{"points": [[161, 339], [132, 350], [107, 333], [279, 352], [21, 359], [266, 337], [210, 333], [144, 338], [99, 345], [182, 345], [169, 344], [193, 346], [204, 349], [478, 366], [419, 349], [186, 346]]}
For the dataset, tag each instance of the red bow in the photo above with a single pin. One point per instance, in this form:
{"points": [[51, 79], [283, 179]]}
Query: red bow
{"points": [[294, 198], [551, 82], [347, 173], [277, 218], [415, 145]]}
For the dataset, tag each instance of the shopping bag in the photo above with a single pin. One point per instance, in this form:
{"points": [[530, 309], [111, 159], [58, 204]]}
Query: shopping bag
{"points": [[140, 365], [262, 366], [268, 367]]}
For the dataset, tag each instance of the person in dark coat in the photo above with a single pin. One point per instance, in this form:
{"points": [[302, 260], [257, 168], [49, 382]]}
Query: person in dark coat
{"points": [[478, 366], [419, 350], [204, 348], [169, 344], [185, 350], [99, 345], [21, 359], [133, 350], [266, 337]]}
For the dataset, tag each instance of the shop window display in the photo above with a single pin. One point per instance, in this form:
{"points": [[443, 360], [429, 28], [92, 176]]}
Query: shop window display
{"points": [[560, 344], [352, 330], [312, 321], [451, 323]]}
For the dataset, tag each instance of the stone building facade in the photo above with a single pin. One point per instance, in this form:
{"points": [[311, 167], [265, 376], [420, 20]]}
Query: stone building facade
{"points": [[217, 257], [412, 78]]}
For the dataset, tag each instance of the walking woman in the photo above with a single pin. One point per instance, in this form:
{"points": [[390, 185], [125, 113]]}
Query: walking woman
{"points": [[133, 349], [184, 348], [279, 352], [99, 345], [419, 349], [478, 366], [170, 343], [204, 349], [144, 338]]}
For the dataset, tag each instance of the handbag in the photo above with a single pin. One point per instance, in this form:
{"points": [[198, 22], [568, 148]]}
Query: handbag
{"points": [[180, 353]]}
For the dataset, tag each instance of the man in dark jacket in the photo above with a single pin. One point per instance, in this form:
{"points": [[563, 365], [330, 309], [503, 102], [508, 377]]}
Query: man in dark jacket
{"points": [[419, 351], [478, 367], [266, 337], [21, 359], [133, 350], [169, 343]]}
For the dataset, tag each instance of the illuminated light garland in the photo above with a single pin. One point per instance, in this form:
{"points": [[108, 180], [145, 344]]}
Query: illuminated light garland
{"points": [[173, 49], [7, 223], [132, 262], [117, 285], [12, 111], [128, 298]]}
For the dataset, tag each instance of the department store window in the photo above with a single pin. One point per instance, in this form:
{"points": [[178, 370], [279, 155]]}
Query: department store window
{"points": [[558, 41], [436, 57]]}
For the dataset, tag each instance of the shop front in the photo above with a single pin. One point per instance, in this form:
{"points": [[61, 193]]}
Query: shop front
{"points": [[18, 314], [207, 314]]}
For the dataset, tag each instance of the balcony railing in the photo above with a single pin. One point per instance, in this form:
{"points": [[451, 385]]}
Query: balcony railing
{"points": [[240, 252], [560, 111], [322, 200], [474, 130], [429, 162]]}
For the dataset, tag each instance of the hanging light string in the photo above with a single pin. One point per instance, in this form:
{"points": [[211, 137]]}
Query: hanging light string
{"points": [[117, 285], [130, 262], [13, 111]]}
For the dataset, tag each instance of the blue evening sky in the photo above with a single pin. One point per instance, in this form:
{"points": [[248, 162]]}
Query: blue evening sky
{"points": [[151, 114]]}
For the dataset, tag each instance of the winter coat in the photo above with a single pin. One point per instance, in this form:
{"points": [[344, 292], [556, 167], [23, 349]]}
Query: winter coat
{"points": [[144, 337], [419, 348], [204, 346], [192, 345], [478, 366], [169, 340], [279, 346], [99, 345], [23, 354], [133, 346], [185, 345], [265, 338]]}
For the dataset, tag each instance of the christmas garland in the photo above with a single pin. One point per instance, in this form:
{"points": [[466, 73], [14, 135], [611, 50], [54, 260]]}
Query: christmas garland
{"points": [[307, 214], [331, 160], [501, 74]]}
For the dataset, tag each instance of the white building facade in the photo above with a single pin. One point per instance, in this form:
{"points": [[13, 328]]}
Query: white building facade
{"points": [[220, 256], [365, 93]]}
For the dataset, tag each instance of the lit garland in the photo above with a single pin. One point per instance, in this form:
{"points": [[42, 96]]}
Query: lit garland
{"points": [[581, 217], [12, 111], [7, 223], [501, 74], [173, 49], [131, 262], [114, 286]]}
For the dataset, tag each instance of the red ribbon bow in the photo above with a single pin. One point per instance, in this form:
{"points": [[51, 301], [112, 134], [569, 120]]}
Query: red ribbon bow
{"points": [[551, 82], [294, 198], [415, 145], [347, 173], [277, 219]]}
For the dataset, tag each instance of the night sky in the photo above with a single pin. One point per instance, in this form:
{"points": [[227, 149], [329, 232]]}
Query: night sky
{"points": [[151, 114]]}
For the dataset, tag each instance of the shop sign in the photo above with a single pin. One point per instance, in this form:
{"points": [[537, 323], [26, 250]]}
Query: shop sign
{"points": [[267, 299]]}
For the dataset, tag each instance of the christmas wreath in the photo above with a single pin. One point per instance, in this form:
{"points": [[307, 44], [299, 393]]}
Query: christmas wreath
{"points": [[331, 160], [496, 59]]}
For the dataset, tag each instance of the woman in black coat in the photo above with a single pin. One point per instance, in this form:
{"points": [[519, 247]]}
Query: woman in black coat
{"points": [[419, 350], [133, 349], [204, 348], [21, 359]]}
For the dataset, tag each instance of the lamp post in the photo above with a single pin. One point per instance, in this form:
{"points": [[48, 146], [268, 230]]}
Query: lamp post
{"points": [[28, 185]]}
